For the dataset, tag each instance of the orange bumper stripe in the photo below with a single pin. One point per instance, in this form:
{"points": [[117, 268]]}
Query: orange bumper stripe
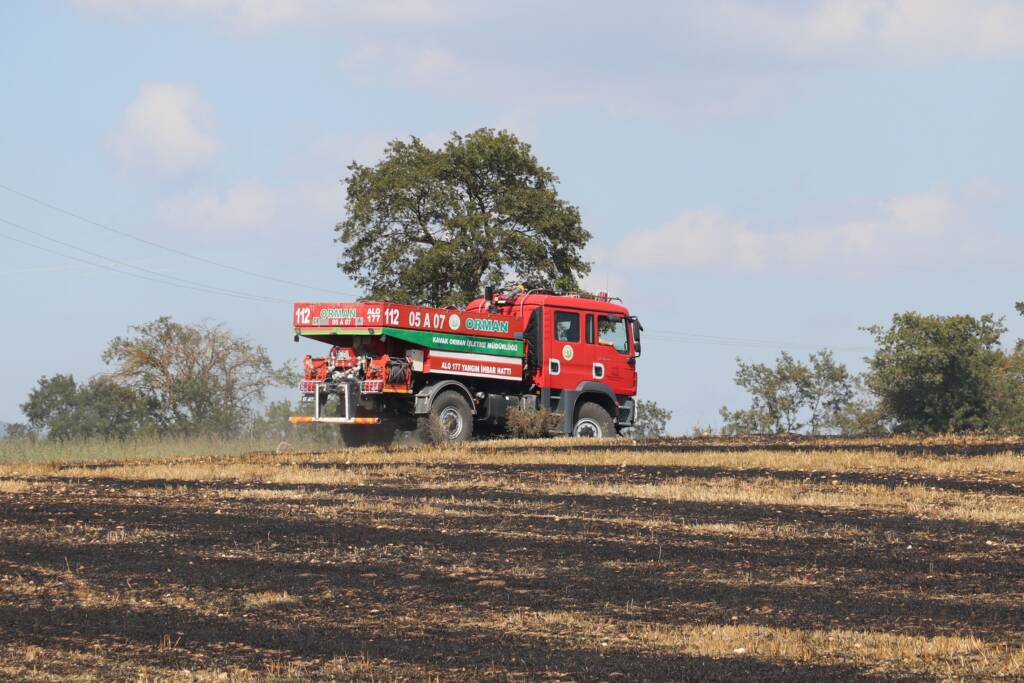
{"points": [[306, 419]]}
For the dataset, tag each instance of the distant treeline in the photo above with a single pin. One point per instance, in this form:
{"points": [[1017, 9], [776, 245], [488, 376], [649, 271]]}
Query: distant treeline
{"points": [[928, 374], [164, 379]]}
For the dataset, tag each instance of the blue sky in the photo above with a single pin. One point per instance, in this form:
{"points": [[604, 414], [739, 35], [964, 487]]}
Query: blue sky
{"points": [[757, 176]]}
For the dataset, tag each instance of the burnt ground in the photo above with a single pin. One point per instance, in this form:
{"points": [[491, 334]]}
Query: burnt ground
{"points": [[496, 570]]}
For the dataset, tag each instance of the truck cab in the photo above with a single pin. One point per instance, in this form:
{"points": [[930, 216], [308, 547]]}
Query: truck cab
{"points": [[580, 349]]}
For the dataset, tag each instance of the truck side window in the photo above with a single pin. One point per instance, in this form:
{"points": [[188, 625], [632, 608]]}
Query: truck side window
{"points": [[613, 333], [567, 326], [590, 328]]}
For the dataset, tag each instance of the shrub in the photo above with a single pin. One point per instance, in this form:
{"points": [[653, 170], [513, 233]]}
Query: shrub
{"points": [[531, 423], [651, 420]]}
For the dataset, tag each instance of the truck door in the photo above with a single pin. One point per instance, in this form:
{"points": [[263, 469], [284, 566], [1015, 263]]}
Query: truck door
{"points": [[612, 355], [569, 357]]}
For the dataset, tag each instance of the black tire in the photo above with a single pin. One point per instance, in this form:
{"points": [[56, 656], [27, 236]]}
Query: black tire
{"points": [[353, 436], [450, 420], [593, 421]]}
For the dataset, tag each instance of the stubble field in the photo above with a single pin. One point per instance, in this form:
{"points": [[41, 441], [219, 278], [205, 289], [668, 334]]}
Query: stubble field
{"points": [[676, 560]]}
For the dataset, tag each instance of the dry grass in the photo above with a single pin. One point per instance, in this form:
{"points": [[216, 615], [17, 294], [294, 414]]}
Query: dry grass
{"points": [[19, 451], [519, 559], [13, 486], [264, 598]]}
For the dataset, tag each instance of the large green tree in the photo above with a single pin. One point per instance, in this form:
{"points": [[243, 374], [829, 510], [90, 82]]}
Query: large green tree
{"points": [[433, 226], [936, 373]]}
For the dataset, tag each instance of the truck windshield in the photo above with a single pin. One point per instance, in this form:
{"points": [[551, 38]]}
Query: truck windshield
{"points": [[613, 333]]}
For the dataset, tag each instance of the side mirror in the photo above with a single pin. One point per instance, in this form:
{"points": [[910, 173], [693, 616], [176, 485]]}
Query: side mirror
{"points": [[637, 327]]}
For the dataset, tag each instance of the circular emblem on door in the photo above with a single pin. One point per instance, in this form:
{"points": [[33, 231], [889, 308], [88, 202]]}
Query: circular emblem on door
{"points": [[567, 352], [454, 321]]}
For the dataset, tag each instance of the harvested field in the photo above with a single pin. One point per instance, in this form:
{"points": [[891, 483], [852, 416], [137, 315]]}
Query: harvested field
{"points": [[679, 559]]}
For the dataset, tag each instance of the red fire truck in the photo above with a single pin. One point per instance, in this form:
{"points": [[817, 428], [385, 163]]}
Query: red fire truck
{"points": [[450, 372]]}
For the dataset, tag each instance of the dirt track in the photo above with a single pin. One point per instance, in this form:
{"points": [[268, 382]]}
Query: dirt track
{"points": [[508, 563]]}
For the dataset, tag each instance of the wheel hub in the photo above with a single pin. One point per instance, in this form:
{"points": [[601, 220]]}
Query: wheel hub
{"points": [[451, 423], [587, 428]]}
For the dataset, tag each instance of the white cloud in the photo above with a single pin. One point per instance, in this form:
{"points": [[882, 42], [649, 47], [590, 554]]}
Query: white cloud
{"points": [[243, 210], [264, 15], [307, 200], [737, 57], [246, 14], [698, 61], [167, 130], [919, 230], [302, 209], [866, 30], [662, 92]]}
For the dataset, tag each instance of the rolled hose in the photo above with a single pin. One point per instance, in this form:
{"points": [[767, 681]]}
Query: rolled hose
{"points": [[398, 370]]}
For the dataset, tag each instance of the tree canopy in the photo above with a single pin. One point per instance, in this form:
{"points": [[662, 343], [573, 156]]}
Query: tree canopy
{"points": [[791, 396], [195, 378], [167, 377], [63, 409], [651, 420], [434, 226], [935, 373], [929, 373]]}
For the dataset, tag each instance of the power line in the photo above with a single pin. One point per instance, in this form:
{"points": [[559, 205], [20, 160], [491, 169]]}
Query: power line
{"points": [[660, 335], [744, 342], [677, 337], [157, 245], [211, 288], [59, 267], [135, 275], [761, 344]]}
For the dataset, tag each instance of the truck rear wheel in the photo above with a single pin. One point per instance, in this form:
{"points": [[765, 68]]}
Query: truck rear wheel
{"points": [[593, 421], [353, 436], [450, 420]]}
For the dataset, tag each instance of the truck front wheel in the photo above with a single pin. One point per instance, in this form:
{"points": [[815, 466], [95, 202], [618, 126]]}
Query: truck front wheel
{"points": [[593, 421], [450, 419]]}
